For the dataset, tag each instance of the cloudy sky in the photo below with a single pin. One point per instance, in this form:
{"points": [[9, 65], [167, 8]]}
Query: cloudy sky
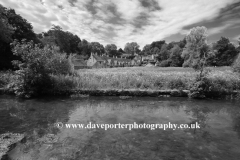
{"points": [[141, 21]]}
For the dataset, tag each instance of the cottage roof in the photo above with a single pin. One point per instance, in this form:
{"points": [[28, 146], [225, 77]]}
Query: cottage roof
{"points": [[122, 59], [79, 62], [126, 55], [98, 58]]}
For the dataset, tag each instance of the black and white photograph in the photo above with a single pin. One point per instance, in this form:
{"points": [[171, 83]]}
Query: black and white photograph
{"points": [[119, 79]]}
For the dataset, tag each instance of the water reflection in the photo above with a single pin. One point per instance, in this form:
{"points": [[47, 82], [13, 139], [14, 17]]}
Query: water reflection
{"points": [[218, 137]]}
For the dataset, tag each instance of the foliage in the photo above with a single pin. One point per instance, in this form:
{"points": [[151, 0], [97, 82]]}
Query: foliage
{"points": [[5, 78], [66, 41], [146, 50], [164, 53], [236, 65], [13, 26], [165, 63], [35, 67], [196, 50], [98, 48], [85, 47], [175, 56], [199, 86], [225, 52], [111, 50], [159, 78], [157, 44], [22, 28], [132, 48], [6, 29]]}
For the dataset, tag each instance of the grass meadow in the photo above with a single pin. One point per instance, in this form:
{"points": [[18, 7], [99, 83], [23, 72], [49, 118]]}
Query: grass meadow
{"points": [[139, 78], [152, 78]]}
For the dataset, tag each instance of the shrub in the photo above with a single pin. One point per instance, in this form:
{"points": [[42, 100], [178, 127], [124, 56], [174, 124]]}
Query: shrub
{"points": [[35, 67], [177, 83], [164, 63], [200, 86], [236, 65]]}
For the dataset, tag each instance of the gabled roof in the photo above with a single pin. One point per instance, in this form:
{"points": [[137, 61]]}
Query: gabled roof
{"points": [[79, 62], [98, 58]]}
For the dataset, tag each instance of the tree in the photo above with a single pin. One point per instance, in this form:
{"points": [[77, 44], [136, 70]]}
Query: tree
{"points": [[111, 50], [96, 47], [196, 49], [155, 51], [164, 53], [182, 43], [146, 49], [157, 44], [6, 29], [85, 47], [175, 56], [22, 28], [13, 26], [225, 52], [66, 41], [132, 48]]}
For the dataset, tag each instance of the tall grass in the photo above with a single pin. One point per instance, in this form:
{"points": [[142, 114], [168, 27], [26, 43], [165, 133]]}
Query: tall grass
{"points": [[153, 78], [141, 78]]}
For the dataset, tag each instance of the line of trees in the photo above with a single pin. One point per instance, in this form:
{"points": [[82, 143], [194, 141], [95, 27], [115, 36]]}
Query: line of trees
{"points": [[175, 54]]}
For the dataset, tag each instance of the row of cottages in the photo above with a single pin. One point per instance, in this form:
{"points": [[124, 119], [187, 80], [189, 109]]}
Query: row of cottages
{"points": [[103, 61]]}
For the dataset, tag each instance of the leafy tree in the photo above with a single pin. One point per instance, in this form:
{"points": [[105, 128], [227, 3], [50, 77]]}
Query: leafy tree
{"points": [[66, 41], [85, 47], [13, 26], [132, 48], [120, 51], [96, 47], [111, 50], [182, 43], [164, 53], [146, 49], [6, 29], [175, 56], [196, 49], [22, 28], [225, 52], [157, 44], [155, 50], [37, 64], [171, 45]]}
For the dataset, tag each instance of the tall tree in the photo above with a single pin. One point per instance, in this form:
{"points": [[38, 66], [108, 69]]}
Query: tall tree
{"points": [[175, 56], [157, 44], [164, 53], [66, 41], [12, 26], [6, 30], [96, 47], [146, 49], [111, 50], [132, 48], [22, 28], [225, 52], [85, 47], [120, 51], [196, 49]]}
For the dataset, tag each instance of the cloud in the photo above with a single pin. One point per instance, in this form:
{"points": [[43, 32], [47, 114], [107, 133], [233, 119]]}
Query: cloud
{"points": [[119, 22]]}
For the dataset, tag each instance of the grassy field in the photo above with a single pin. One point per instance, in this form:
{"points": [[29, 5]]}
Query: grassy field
{"points": [[139, 78], [152, 78]]}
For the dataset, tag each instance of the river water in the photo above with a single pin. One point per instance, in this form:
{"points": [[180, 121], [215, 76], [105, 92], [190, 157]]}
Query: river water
{"points": [[218, 137]]}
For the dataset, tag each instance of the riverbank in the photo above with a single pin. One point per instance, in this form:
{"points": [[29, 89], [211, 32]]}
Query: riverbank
{"points": [[140, 81]]}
